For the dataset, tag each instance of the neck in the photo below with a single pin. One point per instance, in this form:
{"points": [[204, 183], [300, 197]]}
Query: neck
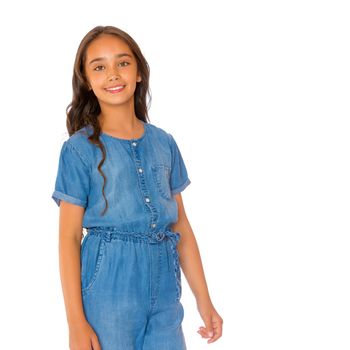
{"points": [[119, 119]]}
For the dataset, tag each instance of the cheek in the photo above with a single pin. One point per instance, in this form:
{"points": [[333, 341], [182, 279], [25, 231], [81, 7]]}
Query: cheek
{"points": [[130, 73], [97, 79]]}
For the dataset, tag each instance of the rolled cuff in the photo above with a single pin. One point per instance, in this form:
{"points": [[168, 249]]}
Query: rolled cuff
{"points": [[57, 196], [182, 187]]}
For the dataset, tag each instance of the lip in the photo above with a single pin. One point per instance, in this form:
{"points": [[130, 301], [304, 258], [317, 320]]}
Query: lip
{"points": [[113, 86], [116, 91]]}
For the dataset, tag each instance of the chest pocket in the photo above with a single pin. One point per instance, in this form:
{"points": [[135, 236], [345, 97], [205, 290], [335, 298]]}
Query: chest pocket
{"points": [[161, 176]]}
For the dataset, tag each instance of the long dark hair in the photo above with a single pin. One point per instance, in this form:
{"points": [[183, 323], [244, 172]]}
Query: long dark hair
{"points": [[84, 108]]}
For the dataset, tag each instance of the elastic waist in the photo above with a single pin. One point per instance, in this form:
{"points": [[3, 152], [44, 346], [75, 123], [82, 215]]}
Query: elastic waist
{"points": [[109, 233]]}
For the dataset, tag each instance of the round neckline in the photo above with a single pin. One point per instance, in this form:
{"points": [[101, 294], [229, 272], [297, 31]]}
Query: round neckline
{"points": [[129, 140]]}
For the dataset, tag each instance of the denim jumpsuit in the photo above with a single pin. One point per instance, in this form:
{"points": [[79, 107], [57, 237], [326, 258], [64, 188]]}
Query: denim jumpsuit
{"points": [[130, 270]]}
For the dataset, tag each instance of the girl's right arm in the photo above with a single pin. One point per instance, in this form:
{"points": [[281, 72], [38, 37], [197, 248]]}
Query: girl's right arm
{"points": [[81, 334]]}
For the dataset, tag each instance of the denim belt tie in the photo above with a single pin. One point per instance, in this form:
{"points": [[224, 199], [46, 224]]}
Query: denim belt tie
{"points": [[174, 237]]}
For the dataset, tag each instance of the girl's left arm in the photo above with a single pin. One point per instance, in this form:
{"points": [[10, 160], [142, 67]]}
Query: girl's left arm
{"points": [[191, 265]]}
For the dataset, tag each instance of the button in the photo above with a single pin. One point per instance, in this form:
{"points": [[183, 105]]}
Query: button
{"points": [[153, 225], [140, 170], [147, 199], [134, 143]]}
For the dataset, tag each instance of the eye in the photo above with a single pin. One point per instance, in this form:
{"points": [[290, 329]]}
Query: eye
{"points": [[97, 67]]}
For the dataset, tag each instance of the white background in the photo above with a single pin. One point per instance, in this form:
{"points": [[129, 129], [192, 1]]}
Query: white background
{"points": [[256, 93]]}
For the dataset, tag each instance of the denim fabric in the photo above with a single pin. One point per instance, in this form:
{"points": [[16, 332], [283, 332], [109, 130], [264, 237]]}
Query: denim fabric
{"points": [[131, 289], [130, 270], [142, 175]]}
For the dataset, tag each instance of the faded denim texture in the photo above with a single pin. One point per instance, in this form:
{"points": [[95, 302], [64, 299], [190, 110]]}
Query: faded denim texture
{"points": [[130, 270]]}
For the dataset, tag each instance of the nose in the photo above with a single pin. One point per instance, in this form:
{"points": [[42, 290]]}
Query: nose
{"points": [[113, 73], [113, 76]]}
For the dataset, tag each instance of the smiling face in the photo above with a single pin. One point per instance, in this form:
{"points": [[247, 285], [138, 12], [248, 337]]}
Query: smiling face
{"points": [[110, 63]]}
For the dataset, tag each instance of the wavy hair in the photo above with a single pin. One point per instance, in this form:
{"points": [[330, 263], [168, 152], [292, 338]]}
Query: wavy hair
{"points": [[84, 108]]}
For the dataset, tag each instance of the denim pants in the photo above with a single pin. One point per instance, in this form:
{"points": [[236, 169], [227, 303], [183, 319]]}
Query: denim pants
{"points": [[131, 289]]}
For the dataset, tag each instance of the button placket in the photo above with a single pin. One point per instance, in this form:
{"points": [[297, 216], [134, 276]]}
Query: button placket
{"points": [[145, 192]]}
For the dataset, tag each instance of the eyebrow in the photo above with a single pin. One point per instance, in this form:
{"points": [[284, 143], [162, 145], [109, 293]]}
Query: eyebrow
{"points": [[116, 55]]}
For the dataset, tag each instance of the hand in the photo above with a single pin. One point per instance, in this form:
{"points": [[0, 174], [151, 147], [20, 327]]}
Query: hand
{"points": [[212, 320], [82, 336]]}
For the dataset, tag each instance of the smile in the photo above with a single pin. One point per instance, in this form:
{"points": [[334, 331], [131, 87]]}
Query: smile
{"points": [[115, 89]]}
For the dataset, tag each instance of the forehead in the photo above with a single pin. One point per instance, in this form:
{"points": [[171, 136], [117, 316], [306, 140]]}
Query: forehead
{"points": [[106, 45]]}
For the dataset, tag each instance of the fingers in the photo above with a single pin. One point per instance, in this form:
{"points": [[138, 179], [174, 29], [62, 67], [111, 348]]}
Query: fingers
{"points": [[95, 343], [204, 332], [216, 330], [208, 331]]}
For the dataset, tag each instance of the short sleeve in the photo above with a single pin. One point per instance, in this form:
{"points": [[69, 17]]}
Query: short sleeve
{"points": [[73, 178], [178, 177]]}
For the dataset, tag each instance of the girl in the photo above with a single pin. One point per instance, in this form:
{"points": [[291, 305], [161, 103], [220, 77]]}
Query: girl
{"points": [[120, 177]]}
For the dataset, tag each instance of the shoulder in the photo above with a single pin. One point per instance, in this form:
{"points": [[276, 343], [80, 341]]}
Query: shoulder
{"points": [[79, 143], [80, 136], [160, 133]]}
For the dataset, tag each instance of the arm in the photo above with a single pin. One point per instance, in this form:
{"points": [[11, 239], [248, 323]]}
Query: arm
{"points": [[81, 334], [71, 193], [192, 267], [70, 234], [189, 255]]}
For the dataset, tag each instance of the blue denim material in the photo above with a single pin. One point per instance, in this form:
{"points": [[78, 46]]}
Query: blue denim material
{"points": [[130, 270], [131, 289], [142, 175]]}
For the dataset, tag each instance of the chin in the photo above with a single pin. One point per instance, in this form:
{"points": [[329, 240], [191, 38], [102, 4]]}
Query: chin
{"points": [[114, 101]]}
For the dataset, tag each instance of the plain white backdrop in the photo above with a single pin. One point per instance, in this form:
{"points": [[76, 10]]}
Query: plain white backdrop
{"points": [[256, 93]]}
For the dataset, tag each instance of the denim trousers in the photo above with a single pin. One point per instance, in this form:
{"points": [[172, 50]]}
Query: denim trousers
{"points": [[131, 289]]}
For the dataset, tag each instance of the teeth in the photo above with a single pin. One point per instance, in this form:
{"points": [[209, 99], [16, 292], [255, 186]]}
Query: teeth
{"points": [[116, 88]]}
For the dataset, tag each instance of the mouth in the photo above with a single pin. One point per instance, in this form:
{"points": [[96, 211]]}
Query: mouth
{"points": [[115, 89]]}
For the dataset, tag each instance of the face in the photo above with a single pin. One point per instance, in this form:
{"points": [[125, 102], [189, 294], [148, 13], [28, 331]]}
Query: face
{"points": [[109, 63]]}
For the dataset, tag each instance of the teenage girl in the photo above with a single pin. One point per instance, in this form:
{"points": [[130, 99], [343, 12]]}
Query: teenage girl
{"points": [[120, 178]]}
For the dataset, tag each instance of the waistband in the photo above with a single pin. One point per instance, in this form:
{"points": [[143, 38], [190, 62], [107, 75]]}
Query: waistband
{"points": [[109, 233]]}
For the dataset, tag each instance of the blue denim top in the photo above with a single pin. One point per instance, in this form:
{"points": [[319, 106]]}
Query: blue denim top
{"points": [[142, 175]]}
